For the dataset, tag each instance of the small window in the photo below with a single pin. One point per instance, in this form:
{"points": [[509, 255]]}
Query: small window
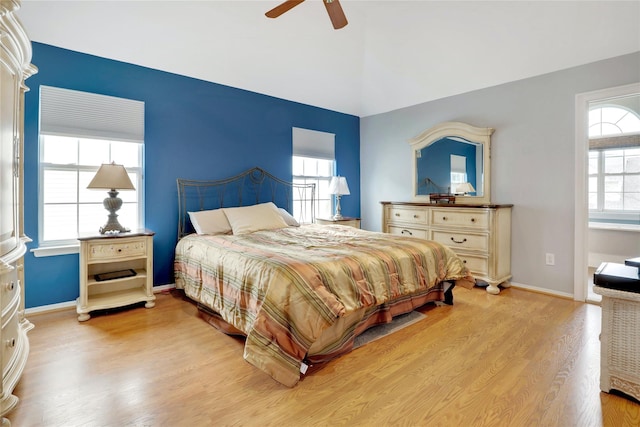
{"points": [[308, 170]]}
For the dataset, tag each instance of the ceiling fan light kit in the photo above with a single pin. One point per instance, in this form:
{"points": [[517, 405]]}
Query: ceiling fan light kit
{"points": [[336, 14]]}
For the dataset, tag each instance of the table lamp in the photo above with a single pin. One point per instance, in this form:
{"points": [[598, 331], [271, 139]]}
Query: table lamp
{"points": [[339, 187], [465, 188], [112, 177]]}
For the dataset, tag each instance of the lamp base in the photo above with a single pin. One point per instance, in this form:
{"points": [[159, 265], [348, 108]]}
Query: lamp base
{"points": [[112, 204], [113, 226], [337, 217]]}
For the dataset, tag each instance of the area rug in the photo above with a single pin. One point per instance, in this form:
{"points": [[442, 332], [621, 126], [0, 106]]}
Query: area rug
{"points": [[379, 331]]}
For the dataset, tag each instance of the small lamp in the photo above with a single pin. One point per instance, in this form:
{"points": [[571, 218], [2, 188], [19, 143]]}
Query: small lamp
{"points": [[465, 188], [339, 187], [112, 177]]}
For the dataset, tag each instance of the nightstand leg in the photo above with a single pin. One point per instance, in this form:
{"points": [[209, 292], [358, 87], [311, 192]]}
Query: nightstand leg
{"points": [[83, 317]]}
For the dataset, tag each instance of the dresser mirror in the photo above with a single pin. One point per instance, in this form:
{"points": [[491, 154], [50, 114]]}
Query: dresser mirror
{"points": [[452, 160]]}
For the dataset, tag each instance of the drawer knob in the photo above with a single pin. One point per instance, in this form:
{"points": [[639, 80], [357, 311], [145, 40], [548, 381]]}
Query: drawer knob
{"points": [[444, 218], [473, 220], [416, 216], [397, 214], [458, 241], [407, 232], [11, 343], [10, 286]]}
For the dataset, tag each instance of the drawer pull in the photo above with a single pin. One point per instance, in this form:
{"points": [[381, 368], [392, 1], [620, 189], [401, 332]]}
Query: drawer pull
{"points": [[473, 220], [11, 343], [10, 286], [416, 216], [397, 214], [406, 232], [444, 218], [458, 241]]}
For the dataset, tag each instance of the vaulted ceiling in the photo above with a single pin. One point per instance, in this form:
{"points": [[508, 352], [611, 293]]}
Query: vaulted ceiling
{"points": [[392, 54]]}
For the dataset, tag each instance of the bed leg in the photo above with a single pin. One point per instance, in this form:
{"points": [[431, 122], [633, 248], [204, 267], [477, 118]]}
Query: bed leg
{"points": [[448, 294]]}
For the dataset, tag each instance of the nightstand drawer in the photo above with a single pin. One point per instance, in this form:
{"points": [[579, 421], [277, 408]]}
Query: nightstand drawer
{"points": [[114, 250]]}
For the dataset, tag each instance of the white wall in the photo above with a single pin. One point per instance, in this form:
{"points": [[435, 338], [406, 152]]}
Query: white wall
{"points": [[532, 158]]}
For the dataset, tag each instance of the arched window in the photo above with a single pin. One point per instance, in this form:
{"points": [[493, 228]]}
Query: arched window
{"points": [[614, 163], [612, 120]]}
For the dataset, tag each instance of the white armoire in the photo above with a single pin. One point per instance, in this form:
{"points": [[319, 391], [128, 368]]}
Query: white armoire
{"points": [[15, 67]]}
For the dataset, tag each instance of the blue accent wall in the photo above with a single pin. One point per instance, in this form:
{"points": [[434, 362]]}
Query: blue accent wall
{"points": [[193, 129]]}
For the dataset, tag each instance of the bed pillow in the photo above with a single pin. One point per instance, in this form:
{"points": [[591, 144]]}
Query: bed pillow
{"points": [[210, 222], [247, 219], [291, 221]]}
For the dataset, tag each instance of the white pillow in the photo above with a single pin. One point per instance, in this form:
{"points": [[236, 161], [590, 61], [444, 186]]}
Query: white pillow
{"points": [[291, 221], [247, 219], [210, 222]]}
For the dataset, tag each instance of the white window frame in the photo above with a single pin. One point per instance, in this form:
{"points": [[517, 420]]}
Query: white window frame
{"points": [[322, 195], [88, 117], [315, 146], [617, 138]]}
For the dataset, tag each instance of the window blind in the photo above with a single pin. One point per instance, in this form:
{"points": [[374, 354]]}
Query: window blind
{"points": [[68, 112], [313, 143], [619, 141]]}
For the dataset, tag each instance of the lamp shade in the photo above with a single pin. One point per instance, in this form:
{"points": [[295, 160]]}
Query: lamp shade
{"points": [[339, 186], [465, 188], [111, 176]]}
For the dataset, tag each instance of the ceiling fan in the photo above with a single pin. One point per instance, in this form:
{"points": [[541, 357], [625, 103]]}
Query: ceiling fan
{"points": [[336, 14]]}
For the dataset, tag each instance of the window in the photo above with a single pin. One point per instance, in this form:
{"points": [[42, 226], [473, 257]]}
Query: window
{"points": [[614, 163], [308, 170], [67, 165], [314, 162], [79, 131]]}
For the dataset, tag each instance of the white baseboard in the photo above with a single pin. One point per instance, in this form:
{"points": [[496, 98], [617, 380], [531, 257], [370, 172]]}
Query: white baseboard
{"points": [[542, 290], [72, 304]]}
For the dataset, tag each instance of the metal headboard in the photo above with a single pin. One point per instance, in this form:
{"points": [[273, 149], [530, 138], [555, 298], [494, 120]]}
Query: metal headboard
{"points": [[248, 188]]}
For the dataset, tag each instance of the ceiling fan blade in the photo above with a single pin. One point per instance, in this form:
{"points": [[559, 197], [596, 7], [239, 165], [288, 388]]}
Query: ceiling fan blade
{"points": [[336, 14], [282, 8]]}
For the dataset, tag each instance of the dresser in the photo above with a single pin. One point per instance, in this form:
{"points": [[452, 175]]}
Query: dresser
{"points": [[15, 67], [479, 234]]}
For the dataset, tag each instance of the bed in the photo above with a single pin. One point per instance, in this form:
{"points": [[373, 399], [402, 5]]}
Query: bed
{"points": [[299, 292]]}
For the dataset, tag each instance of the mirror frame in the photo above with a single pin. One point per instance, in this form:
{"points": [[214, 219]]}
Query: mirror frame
{"points": [[462, 130]]}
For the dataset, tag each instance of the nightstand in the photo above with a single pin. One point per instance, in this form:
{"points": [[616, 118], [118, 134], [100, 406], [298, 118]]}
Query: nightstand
{"points": [[116, 270], [349, 221]]}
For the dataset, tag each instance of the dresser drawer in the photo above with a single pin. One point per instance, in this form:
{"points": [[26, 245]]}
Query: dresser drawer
{"points": [[411, 216], [120, 249], [475, 264], [408, 231], [10, 336], [476, 242], [460, 218], [10, 287]]}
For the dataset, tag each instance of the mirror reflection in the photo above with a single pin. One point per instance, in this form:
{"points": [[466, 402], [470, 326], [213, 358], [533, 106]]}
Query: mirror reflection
{"points": [[450, 165]]}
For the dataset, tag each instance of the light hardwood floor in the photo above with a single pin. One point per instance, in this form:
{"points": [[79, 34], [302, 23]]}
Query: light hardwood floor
{"points": [[516, 359]]}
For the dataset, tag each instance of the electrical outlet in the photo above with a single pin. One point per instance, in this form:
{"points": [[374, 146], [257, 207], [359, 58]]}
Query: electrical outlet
{"points": [[551, 259]]}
